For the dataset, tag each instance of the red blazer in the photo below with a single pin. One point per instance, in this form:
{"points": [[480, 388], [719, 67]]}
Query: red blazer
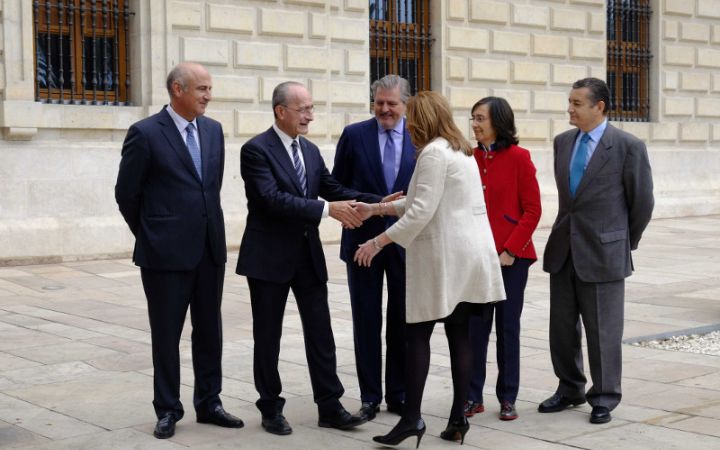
{"points": [[512, 197]]}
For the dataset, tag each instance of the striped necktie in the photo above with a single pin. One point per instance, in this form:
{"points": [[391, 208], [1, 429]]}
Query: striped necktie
{"points": [[299, 169]]}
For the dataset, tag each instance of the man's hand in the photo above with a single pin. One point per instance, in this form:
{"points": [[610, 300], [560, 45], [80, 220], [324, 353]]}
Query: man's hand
{"points": [[394, 196], [343, 212]]}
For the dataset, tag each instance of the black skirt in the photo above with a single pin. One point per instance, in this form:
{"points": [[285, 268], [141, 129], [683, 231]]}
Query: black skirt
{"points": [[464, 310]]}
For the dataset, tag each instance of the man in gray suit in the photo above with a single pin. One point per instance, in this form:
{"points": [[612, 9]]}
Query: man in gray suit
{"points": [[605, 194]]}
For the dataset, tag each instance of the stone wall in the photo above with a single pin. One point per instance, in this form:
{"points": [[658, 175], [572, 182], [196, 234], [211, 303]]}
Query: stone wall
{"points": [[531, 52], [253, 47], [58, 162], [2, 53]]}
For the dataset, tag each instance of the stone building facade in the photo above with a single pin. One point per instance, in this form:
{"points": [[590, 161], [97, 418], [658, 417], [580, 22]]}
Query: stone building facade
{"points": [[58, 163]]}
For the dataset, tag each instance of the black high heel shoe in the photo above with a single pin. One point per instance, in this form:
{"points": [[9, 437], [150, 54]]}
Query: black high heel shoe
{"points": [[402, 431], [456, 430]]}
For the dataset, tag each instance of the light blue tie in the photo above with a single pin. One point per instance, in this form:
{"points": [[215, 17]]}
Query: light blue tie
{"points": [[389, 161], [579, 163], [194, 149], [299, 169]]}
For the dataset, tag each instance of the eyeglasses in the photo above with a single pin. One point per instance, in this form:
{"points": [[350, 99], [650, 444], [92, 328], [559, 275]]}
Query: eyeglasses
{"points": [[477, 119], [305, 110]]}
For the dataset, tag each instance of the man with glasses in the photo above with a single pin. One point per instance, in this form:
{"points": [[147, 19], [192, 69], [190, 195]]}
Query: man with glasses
{"points": [[284, 174]]}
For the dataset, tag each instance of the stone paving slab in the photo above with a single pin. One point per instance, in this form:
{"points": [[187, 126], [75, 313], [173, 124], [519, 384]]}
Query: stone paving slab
{"points": [[76, 369], [41, 420], [643, 436], [12, 436]]}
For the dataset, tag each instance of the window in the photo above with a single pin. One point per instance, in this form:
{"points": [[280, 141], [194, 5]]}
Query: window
{"points": [[81, 51], [628, 55], [400, 41]]}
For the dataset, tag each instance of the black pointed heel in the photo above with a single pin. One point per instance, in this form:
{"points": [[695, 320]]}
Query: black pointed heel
{"points": [[402, 431], [456, 430]]}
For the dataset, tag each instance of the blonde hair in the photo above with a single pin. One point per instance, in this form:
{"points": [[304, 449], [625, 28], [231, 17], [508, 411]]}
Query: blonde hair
{"points": [[429, 117]]}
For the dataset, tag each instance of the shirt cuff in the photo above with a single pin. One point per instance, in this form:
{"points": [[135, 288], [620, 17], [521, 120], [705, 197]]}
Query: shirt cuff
{"points": [[326, 210]]}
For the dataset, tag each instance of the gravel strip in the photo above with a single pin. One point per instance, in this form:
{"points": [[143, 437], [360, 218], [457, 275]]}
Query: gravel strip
{"points": [[706, 344]]}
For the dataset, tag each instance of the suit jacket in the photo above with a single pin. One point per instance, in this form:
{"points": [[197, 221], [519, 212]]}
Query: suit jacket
{"points": [[279, 216], [358, 166], [512, 197], [169, 209], [444, 228], [611, 208]]}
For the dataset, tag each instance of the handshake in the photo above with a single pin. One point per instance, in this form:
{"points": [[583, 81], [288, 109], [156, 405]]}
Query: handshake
{"points": [[351, 214]]}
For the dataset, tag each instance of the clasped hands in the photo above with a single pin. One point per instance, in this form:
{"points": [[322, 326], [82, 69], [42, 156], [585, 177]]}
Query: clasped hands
{"points": [[351, 214]]}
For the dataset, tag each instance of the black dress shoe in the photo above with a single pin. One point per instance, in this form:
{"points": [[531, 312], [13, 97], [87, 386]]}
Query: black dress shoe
{"points": [[600, 414], [396, 408], [558, 402], [340, 419], [402, 431], [221, 418], [165, 426], [368, 410], [276, 424], [456, 430]]}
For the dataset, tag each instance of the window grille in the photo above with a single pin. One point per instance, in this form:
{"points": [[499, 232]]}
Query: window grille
{"points": [[81, 51], [400, 41], [628, 55]]}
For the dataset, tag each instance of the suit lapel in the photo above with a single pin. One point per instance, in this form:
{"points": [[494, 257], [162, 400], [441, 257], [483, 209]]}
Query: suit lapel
{"points": [[171, 133], [372, 154], [310, 168], [407, 161], [205, 147], [564, 156], [278, 152]]}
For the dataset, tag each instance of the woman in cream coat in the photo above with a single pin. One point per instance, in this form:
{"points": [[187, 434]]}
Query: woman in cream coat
{"points": [[451, 261]]}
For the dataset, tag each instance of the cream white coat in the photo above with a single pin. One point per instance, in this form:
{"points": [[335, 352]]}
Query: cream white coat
{"points": [[451, 255]]}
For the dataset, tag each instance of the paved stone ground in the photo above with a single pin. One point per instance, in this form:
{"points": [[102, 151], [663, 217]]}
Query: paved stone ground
{"points": [[75, 366]]}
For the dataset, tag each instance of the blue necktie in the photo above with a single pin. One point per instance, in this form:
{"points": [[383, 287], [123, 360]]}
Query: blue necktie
{"points": [[194, 149], [299, 169], [579, 163], [389, 161]]}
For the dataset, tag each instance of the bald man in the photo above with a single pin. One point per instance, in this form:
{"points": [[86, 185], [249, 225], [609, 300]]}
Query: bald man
{"points": [[284, 175], [168, 191]]}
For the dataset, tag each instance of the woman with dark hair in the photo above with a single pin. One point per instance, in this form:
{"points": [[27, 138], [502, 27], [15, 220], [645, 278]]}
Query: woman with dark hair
{"points": [[451, 264], [512, 198]]}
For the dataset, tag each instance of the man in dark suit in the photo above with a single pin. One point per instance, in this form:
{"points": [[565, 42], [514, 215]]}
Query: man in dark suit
{"points": [[168, 191], [377, 156], [284, 174], [605, 193]]}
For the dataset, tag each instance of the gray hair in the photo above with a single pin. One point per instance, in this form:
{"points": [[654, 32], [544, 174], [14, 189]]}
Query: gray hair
{"points": [[391, 82], [280, 93]]}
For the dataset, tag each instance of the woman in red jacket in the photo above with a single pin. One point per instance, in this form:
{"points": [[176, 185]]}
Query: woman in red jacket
{"points": [[512, 198]]}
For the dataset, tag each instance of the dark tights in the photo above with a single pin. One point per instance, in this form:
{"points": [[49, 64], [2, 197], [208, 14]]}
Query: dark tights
{"points": [[417, 365]]}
